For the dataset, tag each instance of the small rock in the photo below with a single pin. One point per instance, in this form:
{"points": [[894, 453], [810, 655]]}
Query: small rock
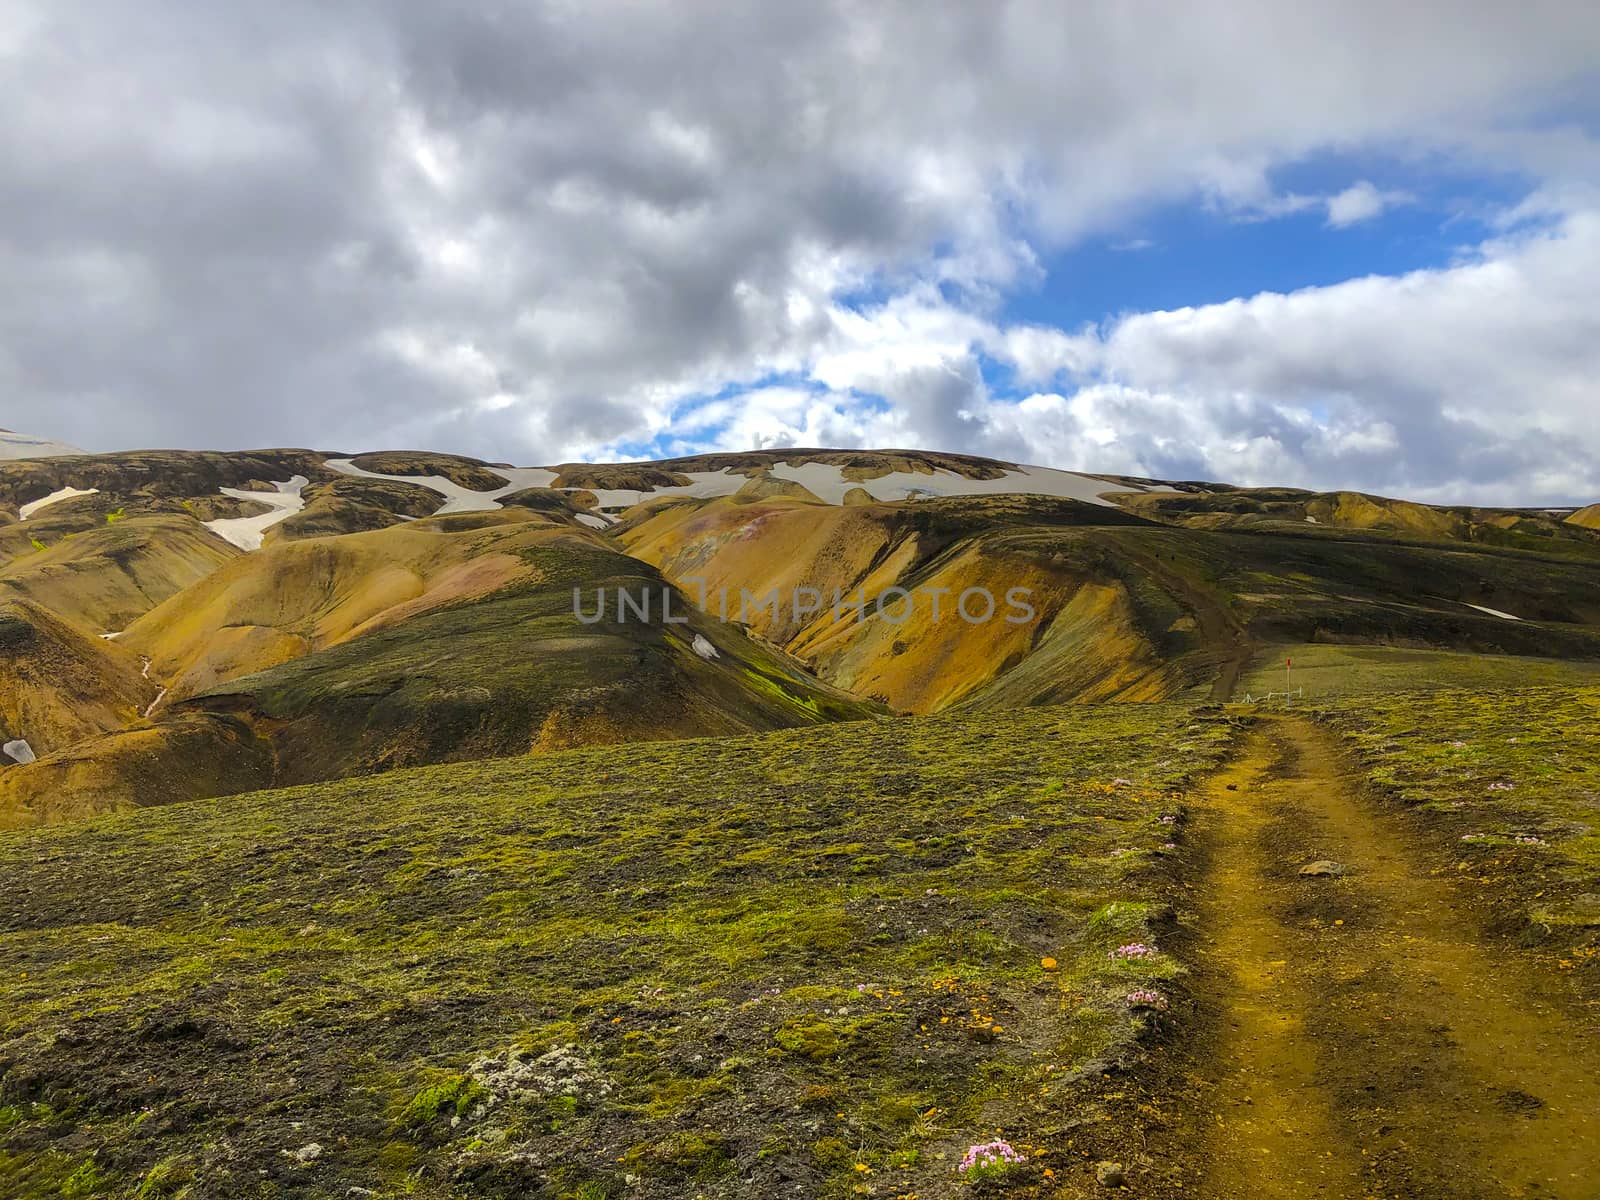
{"points": [[19, 751], [1111, 1174], [1323, 868], [308, 1153]]}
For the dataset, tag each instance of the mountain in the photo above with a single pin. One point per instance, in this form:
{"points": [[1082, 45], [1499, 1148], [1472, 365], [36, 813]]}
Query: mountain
{"points": [[24, 445], [203, 623]]}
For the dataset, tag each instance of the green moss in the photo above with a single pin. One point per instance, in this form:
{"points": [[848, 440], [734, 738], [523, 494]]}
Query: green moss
{"points": [[809, 1039], [698, 1154], [451, 1097], [87, 1180], [773, 688], [1504, 784], [167, 1180], [689, 917]]}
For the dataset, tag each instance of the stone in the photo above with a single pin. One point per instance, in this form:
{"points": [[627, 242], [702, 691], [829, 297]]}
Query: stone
{"points": [[1323, 868], [1111, 1174]]}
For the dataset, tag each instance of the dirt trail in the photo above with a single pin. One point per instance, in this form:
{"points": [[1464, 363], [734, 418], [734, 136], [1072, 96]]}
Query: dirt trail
{"points": [[1367, 1042]]}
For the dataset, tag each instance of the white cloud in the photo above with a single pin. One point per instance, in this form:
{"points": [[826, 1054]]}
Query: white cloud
{"points": [[1476, 381], [1473, 382], [1361, 201], [539, 233]]}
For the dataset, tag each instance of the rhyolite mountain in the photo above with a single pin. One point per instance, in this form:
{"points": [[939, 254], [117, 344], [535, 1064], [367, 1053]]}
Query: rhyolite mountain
{"points": [[184, 624], [24, 445]]}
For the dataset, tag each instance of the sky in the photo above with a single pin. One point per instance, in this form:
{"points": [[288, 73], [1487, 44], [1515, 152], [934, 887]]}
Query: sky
{"points": [[1320, 245]]}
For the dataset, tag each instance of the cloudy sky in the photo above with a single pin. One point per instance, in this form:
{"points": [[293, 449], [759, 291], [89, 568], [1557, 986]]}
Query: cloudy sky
{"points": [[1248, 241]]}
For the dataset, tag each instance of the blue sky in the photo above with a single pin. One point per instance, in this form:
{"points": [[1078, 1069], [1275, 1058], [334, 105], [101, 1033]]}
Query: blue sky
{"points": [[1189, 254]]}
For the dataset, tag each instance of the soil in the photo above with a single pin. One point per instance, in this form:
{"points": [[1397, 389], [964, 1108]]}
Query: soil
{"points": [[1357, 1034]]}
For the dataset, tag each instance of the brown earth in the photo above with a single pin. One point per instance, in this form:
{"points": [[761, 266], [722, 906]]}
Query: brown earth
{"points": [[1358, 1035]]}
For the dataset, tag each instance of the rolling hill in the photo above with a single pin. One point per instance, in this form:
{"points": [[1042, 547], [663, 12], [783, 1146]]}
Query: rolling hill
{"points": [[293, 615]]}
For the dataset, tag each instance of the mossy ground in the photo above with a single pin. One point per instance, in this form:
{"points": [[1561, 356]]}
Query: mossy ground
{"points": [[808, 962], [1506, 786], [1332, 672]]}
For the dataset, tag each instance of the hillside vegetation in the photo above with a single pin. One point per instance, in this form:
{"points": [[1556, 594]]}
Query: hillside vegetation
{"points": [[1506, 786], [806, 961], [309, 616], [784, 900]]}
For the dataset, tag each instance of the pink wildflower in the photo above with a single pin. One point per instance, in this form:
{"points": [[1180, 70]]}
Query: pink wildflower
{"points": [[1133, 950], [988, 1155]]}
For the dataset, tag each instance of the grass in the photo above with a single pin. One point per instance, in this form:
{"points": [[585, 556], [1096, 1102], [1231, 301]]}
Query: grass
{"points": [[819, 960], [1334, 672], [1507, 786]]}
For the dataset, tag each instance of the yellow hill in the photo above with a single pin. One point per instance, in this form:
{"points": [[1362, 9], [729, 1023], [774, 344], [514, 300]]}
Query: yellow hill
{"points": [[914, 659], [104, 578], [1586, 518], [1354, 510], [294, 598], [188, 757], [59, 684]]}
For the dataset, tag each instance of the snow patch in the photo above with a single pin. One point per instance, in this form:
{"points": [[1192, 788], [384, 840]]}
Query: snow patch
{"points": [[457, 499], [19, 752], [702, 485], [66, 493], [23, 445], [593, 522], [827, 482], [824, 480], [247, 532], [1493, 612]]}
